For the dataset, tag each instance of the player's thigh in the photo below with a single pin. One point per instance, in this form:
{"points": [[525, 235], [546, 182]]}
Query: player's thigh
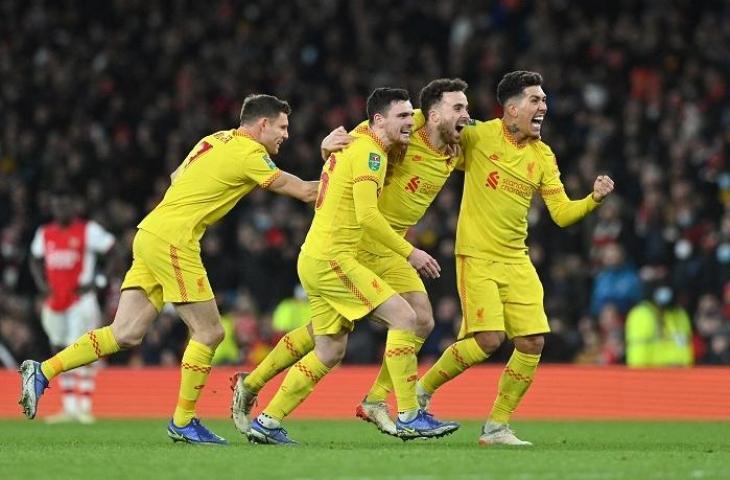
{"points": [[55, 324], [179, 271], [524, 313], [481, 296], [140, 276], [349, 288], [394, 270], [396, 313]]}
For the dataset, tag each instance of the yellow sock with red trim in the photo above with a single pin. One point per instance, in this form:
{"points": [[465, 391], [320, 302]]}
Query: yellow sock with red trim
{"points": [[400, 358], [87, 349], [383, 383], [292, 346], [194, 371], [455, 359], [513, 384], [297, 385]]}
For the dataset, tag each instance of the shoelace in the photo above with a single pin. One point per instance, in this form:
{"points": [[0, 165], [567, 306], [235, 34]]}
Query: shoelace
{"points": [[202, 430]]}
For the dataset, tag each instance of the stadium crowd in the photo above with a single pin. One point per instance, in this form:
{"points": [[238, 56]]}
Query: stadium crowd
{"points": [[109, 100]]}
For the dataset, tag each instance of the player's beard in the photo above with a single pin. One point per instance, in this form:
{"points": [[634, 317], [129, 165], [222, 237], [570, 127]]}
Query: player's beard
{"points": [[447, 133]]}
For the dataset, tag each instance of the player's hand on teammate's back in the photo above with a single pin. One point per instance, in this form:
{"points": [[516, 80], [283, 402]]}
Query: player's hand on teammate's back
{"points": [[424, 264], [602, 187], [453, 151], [335, 141]]}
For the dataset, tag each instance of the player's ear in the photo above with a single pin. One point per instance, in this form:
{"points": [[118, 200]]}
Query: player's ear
{"points": [[378, 119], [434, 115], [512, 109]]}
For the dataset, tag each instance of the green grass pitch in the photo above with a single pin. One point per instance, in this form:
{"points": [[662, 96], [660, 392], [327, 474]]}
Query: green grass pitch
{"points": [[140, 449]]}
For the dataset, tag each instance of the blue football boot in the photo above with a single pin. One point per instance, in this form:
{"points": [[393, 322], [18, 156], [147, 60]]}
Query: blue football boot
{"points": [[195, 433], [424, 425], [269, 436]]}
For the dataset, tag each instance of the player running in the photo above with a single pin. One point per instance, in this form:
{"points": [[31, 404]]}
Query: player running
{"points": [[219, 171]]}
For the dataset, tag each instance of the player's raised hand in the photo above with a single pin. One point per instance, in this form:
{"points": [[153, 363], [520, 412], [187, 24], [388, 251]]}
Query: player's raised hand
{"points": [[602, 187], [424, 264], [335, 141]]}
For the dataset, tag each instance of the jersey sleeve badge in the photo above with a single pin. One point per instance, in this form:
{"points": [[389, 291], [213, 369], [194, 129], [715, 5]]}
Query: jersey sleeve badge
{"points": [[269, 162], [374, 162]]}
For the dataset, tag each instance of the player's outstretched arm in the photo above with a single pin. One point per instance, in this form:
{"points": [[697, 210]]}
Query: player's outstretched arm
{"points": [[293, 186], [335, 141]]}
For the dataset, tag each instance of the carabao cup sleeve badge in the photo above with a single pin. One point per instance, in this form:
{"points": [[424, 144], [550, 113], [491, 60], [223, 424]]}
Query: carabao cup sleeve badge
{"points": [[374, 162]]}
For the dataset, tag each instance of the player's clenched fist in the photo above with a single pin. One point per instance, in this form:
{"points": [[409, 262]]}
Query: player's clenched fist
{"points": [[602, 187]]}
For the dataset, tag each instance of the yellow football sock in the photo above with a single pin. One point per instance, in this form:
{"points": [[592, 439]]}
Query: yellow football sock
{"points": [[383, 384], [514, 382], [400, 358], [297, 385], [292, 346], [89, 348], [194, 371], [455, 359]]}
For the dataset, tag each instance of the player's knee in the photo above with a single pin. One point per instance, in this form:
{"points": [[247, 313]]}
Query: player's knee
{"points": [[489, 341], [424, 324], [408, 314], [211, 336], [331, 354], [128, 338], [532, 344]]}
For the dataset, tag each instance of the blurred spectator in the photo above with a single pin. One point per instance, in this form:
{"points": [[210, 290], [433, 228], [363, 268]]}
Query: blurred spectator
{"points": [[111, 99], [617, 282], [659, 332], [291, 312]]}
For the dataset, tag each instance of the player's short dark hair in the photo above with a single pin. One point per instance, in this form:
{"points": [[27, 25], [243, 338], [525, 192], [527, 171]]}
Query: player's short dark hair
{"points": [[514, 83], [259, 105], [379, 101], [432, 93]]}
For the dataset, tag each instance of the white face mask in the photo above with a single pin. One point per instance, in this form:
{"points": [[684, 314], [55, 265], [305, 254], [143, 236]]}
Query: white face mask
{"points": [[723, 252], [683, 249], [663, 296]]}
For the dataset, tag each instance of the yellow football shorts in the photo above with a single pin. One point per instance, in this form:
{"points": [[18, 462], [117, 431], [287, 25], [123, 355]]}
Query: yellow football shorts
{"points": [[165, 272], [340, 292], [394, 269], [499, 297]]}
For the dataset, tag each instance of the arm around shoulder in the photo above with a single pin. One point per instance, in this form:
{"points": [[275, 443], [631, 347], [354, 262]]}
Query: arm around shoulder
{"points": [[293, 186]]}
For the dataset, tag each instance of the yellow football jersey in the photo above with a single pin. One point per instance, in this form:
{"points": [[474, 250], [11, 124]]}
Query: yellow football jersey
{"points": [[411, 184], [218, 171], [500, 179], [335, 230]]}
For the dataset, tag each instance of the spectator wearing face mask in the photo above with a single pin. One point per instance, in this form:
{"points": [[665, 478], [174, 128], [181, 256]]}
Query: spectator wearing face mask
{"points": [[659, 332]]}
